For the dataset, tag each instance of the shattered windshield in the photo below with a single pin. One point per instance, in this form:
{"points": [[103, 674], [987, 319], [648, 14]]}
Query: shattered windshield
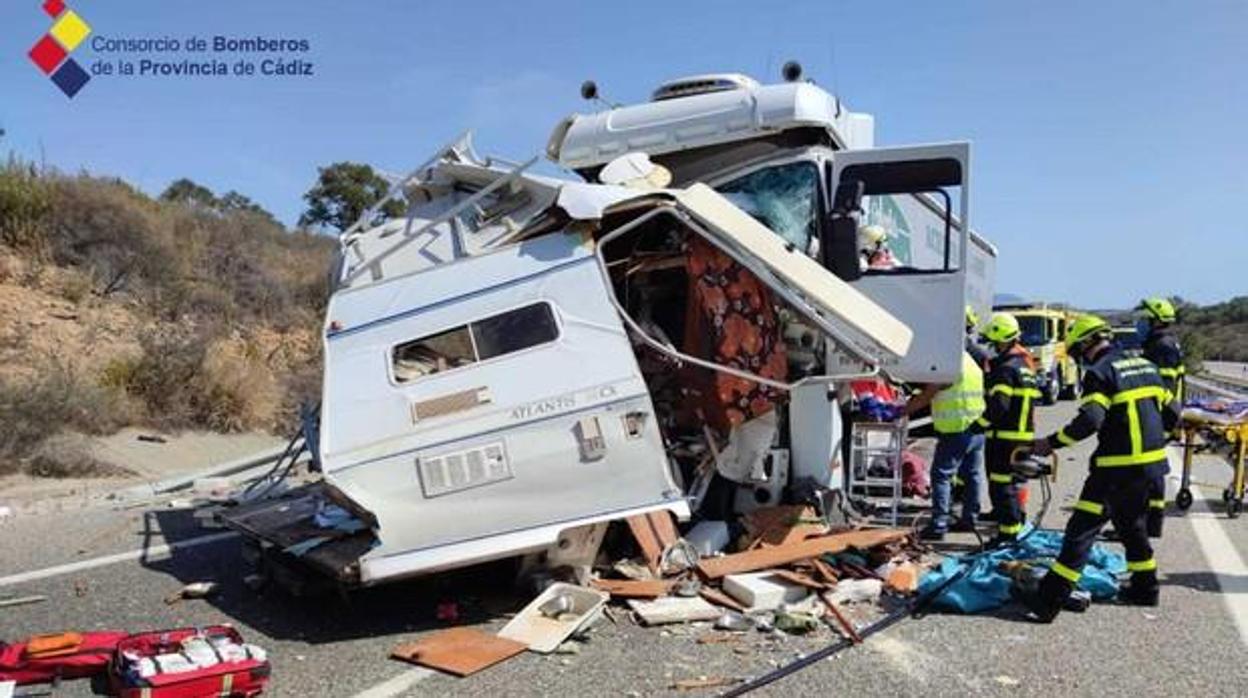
{"points": [[781, 198]]}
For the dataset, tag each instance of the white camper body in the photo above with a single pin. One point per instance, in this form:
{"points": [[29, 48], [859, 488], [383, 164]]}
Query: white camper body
{"points": [[501, 364]]}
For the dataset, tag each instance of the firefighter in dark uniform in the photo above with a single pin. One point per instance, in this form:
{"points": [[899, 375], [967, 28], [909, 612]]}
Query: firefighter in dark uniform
{"points": [[1008, 420], [1126, 404], [1163, 349]]}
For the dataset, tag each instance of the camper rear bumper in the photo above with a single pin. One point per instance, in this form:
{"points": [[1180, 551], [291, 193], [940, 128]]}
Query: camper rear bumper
{"points": [[509, 544]]}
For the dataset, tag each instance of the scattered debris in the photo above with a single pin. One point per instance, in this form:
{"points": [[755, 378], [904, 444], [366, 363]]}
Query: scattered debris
{"points": [[904, 578], [719, 598], [1005, 680], [762, 590], [705, 682], [458, 651], [687, 588], [10, 602], [151, 438], [795, 623], [633, 589], [857, 591], [654, 533], [733, 620], [554, 616], [763, 558], [673, 609], [194, 590], [708, 537]]}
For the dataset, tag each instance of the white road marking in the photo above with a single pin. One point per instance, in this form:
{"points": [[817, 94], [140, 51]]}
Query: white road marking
{"points": [[396, 686], [1224, 560], [147, 553]]}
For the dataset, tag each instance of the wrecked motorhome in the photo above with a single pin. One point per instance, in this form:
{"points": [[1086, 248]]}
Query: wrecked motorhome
{"points": [[520, 359]]}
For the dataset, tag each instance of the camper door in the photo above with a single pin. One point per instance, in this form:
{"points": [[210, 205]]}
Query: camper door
{"points": [[898, 233]]}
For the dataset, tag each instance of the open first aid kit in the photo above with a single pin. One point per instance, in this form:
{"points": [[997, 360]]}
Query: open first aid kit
{"points": [[183, 663], [188, 663]]}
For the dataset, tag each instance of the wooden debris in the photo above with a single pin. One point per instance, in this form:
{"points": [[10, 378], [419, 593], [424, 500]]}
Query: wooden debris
{"points": [[22, 600], [632, 589], [719, 638], [799, 579], [458, 651], [763, 558], [825, 570], [719, 598], [841, 619], [782, 525], [653, 533], [705, 682]]}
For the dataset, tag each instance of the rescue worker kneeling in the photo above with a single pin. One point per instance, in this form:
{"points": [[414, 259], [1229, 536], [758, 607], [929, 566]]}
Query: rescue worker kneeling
{"points": [[1126, 404], [1008, 420]]}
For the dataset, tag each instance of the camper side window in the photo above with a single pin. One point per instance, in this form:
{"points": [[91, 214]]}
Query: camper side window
{"points": [[480, 340]]}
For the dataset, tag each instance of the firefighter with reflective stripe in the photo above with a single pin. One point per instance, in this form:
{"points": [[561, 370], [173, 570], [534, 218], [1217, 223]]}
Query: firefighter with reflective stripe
{"points": [[1126, 404], [959, 451], [1163, 349], [1008, 419]]}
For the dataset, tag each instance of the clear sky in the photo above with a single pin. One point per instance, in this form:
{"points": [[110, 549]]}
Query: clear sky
{"points": [[1110, 140]]}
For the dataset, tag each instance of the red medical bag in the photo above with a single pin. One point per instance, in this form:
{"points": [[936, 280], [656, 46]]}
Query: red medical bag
{"points": [[237, 679], [42, 658]]}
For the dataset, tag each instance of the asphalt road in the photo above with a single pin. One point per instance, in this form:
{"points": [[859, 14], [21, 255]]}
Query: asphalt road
{"points": [[90, 566]]}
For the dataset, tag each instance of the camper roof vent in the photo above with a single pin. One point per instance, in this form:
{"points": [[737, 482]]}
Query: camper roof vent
{"points": [[702, 84]]}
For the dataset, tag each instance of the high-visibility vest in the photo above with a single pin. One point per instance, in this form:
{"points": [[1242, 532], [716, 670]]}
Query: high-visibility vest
{"points": [[956, 407]]}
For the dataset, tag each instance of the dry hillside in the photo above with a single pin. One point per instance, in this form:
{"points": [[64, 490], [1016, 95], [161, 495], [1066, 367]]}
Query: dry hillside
{"points": [[117, 309]]}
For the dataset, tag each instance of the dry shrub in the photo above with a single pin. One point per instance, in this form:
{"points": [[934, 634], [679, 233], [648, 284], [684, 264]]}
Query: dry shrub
{"points": [[53, 400], [198, 380], [25, 202]]}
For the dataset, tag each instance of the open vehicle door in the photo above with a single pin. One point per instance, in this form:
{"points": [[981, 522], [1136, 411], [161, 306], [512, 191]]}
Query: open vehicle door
{"points": [[918, 197]]}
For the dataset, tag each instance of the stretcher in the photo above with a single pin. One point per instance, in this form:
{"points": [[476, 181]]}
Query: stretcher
{"points": [[1219, 427]]}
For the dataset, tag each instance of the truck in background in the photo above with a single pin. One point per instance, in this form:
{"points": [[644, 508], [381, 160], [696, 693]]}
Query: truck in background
{"points": [[1044, 327]]}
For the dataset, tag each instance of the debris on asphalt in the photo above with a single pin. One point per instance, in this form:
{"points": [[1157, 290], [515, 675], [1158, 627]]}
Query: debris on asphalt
{"points": [[673, 609], [554, 616], [458, 651], [633, 588], [194, 590], [654, 532], [733, 620], [702, 682], [762, 590], [8, 602], [775, 556]]}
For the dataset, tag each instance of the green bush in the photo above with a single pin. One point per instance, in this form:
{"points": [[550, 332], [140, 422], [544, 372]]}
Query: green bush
{"points": [[25, 203]]}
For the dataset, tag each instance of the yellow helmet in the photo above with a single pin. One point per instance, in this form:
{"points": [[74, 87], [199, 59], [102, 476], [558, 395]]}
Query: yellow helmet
{"points": [[1001, 327], [972, 320], [1159, 309], [1084, 328]]}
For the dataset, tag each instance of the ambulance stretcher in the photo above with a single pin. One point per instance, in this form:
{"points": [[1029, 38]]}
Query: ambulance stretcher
{"points": [[1222, 430]]}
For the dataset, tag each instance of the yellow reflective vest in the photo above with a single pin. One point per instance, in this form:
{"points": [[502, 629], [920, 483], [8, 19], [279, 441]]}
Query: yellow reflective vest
{"points": [[956, 407]]}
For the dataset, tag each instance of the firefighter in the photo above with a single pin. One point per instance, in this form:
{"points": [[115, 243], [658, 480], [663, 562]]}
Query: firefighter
{"points": [[873, 250], [959, 451], [1163, 349], [1126, 404], [1008, 420]]}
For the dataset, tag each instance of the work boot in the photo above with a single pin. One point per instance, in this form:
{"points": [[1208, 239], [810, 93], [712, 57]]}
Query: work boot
{"points": [[1037, 607], [1135, 593], [963, 527], [930, 533]]}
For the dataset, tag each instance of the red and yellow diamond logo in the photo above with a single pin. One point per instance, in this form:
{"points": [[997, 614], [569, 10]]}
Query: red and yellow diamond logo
{"points": [[51, 53]]}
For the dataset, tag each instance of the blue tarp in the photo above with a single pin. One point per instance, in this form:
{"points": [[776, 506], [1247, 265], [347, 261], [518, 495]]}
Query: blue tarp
{"points": [[985, 587]]}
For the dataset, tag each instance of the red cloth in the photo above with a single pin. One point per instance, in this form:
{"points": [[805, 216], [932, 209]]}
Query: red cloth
{"points": [[731, 321]]}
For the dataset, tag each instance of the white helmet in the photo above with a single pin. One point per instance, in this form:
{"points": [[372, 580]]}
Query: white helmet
{"points": [[871, 236]]}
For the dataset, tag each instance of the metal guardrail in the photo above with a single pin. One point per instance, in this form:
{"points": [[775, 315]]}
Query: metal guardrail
{"points": [[1205, 385]]}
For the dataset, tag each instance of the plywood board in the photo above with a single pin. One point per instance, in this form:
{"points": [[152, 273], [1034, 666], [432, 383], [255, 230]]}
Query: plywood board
{"points": [[762, 558], [653, 533], [458, 651], [632, 588]]}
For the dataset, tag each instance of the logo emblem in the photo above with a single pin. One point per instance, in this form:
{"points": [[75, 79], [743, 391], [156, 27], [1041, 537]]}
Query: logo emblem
{"points": [[51, 53]]}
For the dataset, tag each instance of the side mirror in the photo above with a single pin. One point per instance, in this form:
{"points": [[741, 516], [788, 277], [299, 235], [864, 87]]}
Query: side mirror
{"points": [[840, 242]]}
